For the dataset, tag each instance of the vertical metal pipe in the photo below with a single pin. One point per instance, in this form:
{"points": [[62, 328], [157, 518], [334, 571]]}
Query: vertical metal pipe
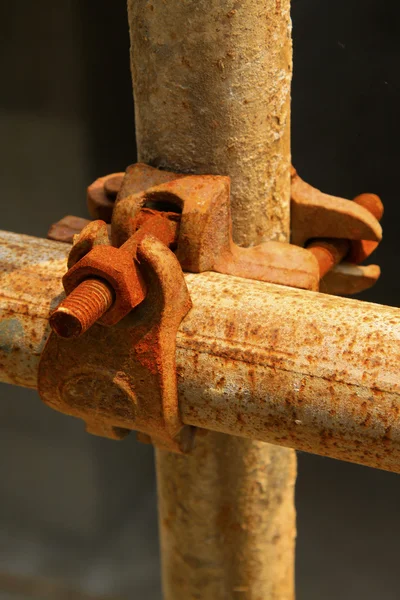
{"points": [[212, 95], [211, 82]]}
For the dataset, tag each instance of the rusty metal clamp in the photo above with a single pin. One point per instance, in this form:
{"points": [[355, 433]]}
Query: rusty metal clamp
{"points": [[123, 377], [339, 233], [204, 236], [134, 284]]}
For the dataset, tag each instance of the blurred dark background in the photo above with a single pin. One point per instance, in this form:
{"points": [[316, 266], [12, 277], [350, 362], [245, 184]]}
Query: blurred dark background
{"points": [[80, 512]]}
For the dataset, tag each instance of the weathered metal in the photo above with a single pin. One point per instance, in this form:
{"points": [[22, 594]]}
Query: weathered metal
{"points": [[326, 381], [362, 249], [330, 252], [135, 195], [86, 304], [204, 239], [101, 195], [334, 229], [66, 228], [94, 233], [104, 282], [233, 483], [30, 287], [318, 215], [217, 100], [134, 386], [200, 229], [117, 268], [336, 394], [348, 279], [211, 82]]}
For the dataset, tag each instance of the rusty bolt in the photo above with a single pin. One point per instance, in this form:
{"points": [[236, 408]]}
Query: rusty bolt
{"points": [[105, 285], [82, 308], [330, 252]]}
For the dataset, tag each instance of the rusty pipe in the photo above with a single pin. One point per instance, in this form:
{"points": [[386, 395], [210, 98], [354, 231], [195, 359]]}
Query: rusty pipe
{"points": [[291, 367], [211, 82]]}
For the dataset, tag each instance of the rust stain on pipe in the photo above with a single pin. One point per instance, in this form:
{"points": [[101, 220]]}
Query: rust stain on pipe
{"points": [[30, 286], [212, 95], [291, 367], [313, 372], [211, 82]]}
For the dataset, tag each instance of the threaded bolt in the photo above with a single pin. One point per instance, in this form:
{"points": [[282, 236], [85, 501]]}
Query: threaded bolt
{"points": [[328, 253], [331, 252], [82, 308]]}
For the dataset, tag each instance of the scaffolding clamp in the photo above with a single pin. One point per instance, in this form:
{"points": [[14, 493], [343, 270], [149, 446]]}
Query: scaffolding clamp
{"points": [[111, 357]]}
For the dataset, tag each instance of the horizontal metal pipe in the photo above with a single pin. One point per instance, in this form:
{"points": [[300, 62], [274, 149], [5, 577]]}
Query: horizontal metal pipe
{"points": [[291, 367]]}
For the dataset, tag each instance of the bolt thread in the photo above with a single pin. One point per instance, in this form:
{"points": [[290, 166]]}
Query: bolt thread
{"points": [[82, 308], [328, 253]]}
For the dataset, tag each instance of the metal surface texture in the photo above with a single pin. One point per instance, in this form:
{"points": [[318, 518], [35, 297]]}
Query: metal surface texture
{"points": [[337, 394], [330, 252], [116, 267], [86, 304], [101, 195], [200, 230], [243, 540], [318, 215], [204, 239], [30, 288], [135, 386], [348, 279], [66, 228], [104, 283], [211, 82], [255, 361], [321, 372], [191, 215], [334, 229]]}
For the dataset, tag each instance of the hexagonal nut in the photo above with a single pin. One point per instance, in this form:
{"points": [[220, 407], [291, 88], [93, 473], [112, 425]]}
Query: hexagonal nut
{"points": [[118, 268]]}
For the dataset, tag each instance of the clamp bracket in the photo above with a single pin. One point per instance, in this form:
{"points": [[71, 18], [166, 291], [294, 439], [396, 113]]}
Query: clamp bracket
{"points": [[124, 377], [118, 374]]}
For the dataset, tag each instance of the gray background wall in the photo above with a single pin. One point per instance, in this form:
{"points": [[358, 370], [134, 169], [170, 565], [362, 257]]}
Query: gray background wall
{"points": [[81, 511]]}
